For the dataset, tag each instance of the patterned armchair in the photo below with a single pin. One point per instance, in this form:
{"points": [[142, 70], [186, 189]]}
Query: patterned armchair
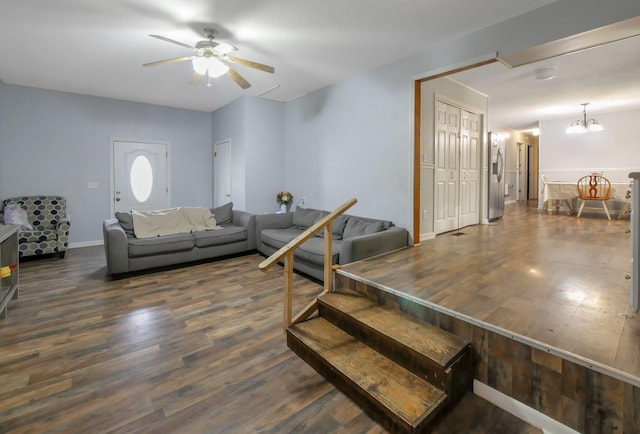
{"points": [[48, 217]]}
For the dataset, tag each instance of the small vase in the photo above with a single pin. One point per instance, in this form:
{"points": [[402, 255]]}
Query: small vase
{"points": [[283, 207]]}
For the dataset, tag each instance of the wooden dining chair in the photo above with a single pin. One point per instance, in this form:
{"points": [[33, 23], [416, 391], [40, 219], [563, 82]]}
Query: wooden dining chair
{"points": [[594, 187]]}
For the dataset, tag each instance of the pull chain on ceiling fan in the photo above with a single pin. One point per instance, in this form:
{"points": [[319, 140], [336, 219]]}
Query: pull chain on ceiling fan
{"points": [[212, 59]]}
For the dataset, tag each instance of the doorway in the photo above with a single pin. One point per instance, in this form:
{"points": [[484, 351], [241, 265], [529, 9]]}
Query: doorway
{"points": [[457, 167], [139, 176], [532, 172], [221, 173]]}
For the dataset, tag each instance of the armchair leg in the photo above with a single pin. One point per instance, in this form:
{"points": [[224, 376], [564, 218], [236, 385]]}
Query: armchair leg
{"points": [[61, 254]]}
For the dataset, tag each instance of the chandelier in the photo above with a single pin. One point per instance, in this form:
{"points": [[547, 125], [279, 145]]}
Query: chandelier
{"points": [[583, 125]]}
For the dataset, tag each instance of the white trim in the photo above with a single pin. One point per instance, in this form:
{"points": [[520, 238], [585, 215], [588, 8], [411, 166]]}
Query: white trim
{"points": [[458, 65], [519, 410], [86, 244], [427, 236]]}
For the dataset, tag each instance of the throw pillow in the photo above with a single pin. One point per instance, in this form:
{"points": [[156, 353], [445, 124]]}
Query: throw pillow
{"points": [[356, 227], [304, 218], [337, 227], [126, 221], [223, 214], [16, 215]]}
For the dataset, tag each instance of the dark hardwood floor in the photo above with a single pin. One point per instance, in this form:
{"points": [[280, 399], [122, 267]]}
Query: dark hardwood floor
{"points": [[556, 279], [198, 349]]}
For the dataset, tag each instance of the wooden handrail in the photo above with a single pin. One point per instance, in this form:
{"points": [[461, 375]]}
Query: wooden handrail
{"points": [[286, 253]]}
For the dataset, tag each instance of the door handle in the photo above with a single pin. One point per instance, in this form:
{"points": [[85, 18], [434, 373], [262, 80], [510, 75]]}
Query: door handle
{"points": [[117, 199]]}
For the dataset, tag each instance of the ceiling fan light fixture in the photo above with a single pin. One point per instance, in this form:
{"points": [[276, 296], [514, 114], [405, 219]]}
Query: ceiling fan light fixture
{"points": [[584, 125], [223, 48], [209, 66]]}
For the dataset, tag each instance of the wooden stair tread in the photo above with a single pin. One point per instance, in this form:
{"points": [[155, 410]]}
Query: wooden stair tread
{"points": [[401, 392], [438, 345]]}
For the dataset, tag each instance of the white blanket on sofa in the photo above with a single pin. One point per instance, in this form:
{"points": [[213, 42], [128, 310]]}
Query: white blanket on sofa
{"points": [[147, 224]]}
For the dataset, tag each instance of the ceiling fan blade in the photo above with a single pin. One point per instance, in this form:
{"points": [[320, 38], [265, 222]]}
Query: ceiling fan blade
{"points": [[175, 59], [196, 78], [240, 81], [162, 38], [250, 64]]}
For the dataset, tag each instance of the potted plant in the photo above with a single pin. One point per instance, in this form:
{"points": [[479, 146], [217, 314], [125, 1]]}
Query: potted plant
{"points": [[284, 199]]}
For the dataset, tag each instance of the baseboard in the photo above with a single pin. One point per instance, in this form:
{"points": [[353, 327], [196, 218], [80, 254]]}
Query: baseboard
{"points": [[427, 236], [521, 411], [86, 244]]}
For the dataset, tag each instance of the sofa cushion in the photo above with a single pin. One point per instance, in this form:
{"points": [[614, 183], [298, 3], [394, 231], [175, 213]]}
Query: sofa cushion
{"points": [[337, 228], [223, 214], [37, 236], [277, 238], [227, 235], [304, 218], [312, 251], [357, 226], [159, 245], [126, 221]]}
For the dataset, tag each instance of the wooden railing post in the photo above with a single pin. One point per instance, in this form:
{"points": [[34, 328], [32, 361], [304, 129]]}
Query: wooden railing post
{"points": [[328, 258], [288, 289], [286, 253]]}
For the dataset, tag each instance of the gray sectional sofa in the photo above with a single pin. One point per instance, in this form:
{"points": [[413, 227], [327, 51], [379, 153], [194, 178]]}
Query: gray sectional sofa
{"points": [[126, 253], [353, 238]]}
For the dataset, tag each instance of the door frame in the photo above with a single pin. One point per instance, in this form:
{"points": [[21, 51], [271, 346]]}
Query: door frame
{"points": [[214, 178], [112, 192], [417, 150]]}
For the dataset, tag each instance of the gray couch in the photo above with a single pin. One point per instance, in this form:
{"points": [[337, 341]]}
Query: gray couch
{"points": [[354, 238], [126, 253]]}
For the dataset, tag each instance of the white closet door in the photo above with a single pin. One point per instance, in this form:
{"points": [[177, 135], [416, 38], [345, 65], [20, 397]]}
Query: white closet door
{"points": [[447, 171], [470, 130], [457, 168]]}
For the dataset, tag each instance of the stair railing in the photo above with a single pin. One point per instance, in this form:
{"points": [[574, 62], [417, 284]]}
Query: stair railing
{"points": [[286, 253]]}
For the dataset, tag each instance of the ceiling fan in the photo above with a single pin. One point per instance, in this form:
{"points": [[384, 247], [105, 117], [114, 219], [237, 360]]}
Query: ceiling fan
{"points": [[212, 59]]}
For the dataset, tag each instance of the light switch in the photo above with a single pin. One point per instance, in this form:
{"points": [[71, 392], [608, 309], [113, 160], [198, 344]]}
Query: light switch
{"points": [[93, 185]]}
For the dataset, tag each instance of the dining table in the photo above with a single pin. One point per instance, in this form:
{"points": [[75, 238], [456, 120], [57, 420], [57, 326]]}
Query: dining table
{"points": [[566, 192]]}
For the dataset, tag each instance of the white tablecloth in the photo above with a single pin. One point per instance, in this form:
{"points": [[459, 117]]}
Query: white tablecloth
{"points": [[568, 191]]}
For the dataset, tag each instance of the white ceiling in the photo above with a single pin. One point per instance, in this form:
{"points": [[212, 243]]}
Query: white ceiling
{"points": [[607, 77], [97, 47]]}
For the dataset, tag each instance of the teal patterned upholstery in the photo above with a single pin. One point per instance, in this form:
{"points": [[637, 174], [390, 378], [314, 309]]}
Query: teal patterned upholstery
{"points": [[48, 216]]}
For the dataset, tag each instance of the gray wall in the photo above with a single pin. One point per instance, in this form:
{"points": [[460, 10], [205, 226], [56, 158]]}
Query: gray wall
{"points": [[55, 142], [255, 127], [352, 139]]}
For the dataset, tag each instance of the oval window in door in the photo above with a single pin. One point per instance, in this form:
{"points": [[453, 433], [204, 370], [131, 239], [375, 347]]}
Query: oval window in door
{"points": [[141, 178]]}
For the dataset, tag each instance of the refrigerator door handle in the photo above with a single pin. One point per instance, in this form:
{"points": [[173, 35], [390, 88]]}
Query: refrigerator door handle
{"points": [[500, 164]]}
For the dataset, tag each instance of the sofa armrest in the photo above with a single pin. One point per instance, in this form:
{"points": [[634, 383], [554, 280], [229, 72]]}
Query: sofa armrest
{"points": [[248, 221], [116, 246], [364, 246], [62, 231], [271, 221]]}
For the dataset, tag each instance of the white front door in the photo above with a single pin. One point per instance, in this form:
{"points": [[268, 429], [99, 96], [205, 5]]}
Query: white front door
{"points": [[222, 173], [139, 177]]}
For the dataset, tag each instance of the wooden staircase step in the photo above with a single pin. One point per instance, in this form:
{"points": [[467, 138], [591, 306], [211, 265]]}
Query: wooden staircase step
{"points": [[400, 400], [426, 350]]}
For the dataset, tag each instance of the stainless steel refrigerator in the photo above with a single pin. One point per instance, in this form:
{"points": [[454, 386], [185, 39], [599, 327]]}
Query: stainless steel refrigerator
{"points": [[496, 175]]}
